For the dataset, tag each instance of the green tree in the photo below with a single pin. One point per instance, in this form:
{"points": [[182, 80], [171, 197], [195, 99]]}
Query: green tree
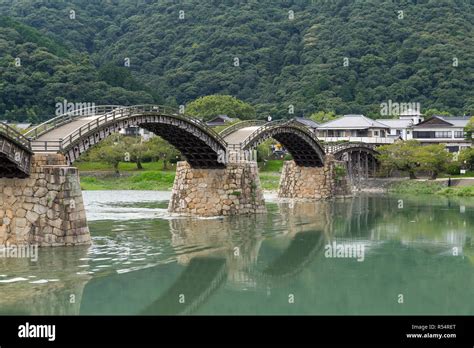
{"points": [[466, 158], [158, 148], [136, 149], [433, 158], [435, 112], [322, 117], [212, 105], [470, 130], [112, 150], [400, 156]]}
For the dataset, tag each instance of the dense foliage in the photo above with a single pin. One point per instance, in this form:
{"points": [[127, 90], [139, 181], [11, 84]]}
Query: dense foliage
{"points": [[212, 105], [412, 157], [340, 56], [118, 149]]}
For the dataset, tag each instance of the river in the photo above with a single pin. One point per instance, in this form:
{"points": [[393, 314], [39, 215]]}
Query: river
{"points": [[373, 254]]}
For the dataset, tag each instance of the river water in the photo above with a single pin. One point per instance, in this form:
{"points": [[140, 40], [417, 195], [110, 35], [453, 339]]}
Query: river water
{"points": [[374, 254]]}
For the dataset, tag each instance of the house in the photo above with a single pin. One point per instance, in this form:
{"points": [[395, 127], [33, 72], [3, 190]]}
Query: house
{"points": [[220, 120], [137, 131], [313, 126], [448, 130], [412, 115], [398, 129], [355, 128], [401, 128]]}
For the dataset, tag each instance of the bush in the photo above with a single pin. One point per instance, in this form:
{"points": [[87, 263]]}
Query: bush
{"points": [[415, 187], [453, 168]]}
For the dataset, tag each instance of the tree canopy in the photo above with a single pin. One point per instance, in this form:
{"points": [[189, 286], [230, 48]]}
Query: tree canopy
{"points": [[213, 105], [411, 156], [336, 56]]}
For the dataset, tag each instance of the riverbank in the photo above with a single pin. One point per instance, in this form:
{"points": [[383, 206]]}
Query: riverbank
{"points": [[154, 177], [459, 187], [100, 176]]}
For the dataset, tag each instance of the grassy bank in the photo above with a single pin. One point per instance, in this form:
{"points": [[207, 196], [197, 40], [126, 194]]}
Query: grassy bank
{"points": [[124, 166], [152, 177], [466, 191], [149, 180], [430, 187], [269, 181]]}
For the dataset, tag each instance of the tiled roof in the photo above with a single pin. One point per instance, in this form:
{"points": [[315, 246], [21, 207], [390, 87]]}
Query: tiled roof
{"points": [[307, 122], [455, 121], [396, 123], [352, 122]]}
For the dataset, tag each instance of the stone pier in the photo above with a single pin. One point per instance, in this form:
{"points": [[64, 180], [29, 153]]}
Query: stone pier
{"points": [[45, 209], [313, 183], [212, 192]]}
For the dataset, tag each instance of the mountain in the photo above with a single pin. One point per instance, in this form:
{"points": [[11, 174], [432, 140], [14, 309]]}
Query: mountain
{"points": [[344, 56]]}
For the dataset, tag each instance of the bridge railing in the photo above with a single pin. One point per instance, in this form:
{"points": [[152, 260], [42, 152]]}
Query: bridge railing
{"points": [[239, 125], [260, 130], [334, 148], [125, 112], [366, 140], [46, 146], [14, 135], [277, 123], [67, 117]]}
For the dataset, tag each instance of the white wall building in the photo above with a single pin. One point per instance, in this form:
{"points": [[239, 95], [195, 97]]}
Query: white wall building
{"points": [[401, 128], [137, 131], [355, 128], [448, 130]]}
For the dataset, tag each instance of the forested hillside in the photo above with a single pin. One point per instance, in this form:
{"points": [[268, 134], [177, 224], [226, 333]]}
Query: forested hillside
{"points": [[346, 56]]}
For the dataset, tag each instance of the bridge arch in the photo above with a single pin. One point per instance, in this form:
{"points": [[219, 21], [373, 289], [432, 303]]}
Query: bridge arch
{"points": [[199, 144], [300, 142], [15, 153], [338, 150], [303, 249], [361, 158]]}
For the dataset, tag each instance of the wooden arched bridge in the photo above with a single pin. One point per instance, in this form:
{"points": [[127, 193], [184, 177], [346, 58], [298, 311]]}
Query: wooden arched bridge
{"points": [[15, 153], [217, 178], [73, 133]]}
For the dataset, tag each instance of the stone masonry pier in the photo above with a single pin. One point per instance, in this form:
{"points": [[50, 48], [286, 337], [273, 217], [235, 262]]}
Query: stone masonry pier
{"points": [[313, 183], [212, 192], [45, 209]]}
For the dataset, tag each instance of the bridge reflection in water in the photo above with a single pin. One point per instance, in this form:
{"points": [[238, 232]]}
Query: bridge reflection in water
{"points": [[231, 252], [250, 265]]}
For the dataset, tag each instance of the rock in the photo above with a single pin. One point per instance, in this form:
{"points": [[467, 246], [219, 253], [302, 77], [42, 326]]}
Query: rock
{"points": [[39, 204], [31, 216]]}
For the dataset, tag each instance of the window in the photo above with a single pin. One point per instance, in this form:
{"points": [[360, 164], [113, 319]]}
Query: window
{"points": [[399, 132], [453, 149], [376, 133], [443, 134], [459, 134], [423, 135]]}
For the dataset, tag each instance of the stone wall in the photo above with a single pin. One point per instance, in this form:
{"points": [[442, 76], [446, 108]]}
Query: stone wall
{"points": [[312, 182], [45, 209], [213, 192]]}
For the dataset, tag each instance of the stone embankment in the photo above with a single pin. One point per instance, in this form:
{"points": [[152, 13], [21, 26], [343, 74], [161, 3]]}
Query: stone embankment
{"points": [[45, 209]]}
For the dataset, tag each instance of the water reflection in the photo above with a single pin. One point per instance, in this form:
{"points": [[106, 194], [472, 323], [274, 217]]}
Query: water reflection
{"points": [[250, 264], [46, 286]]}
